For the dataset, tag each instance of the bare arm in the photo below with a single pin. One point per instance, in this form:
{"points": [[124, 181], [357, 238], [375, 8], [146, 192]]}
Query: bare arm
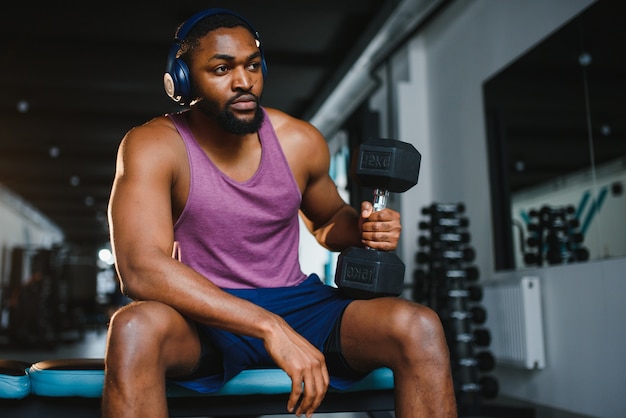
{"points": [[334, 223], [140, 213]]}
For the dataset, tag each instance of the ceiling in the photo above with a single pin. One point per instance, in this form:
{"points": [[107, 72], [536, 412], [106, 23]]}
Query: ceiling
{"points": [[75, 76]]}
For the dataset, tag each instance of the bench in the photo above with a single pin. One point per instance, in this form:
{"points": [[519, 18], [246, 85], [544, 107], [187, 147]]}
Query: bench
{"points": [[72, 388]]}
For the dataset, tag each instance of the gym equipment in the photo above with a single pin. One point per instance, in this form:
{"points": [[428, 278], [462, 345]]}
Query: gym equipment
{"points": [[465, 254], [473, 293], [446, 283], [554, 237], [176, 79], [446, 208], [486, 387], [483, 361], [14, 379], [467, 273], [442, 223], [71, 388], [386, 165], [444, 238], [477, 314], [481, 337]]}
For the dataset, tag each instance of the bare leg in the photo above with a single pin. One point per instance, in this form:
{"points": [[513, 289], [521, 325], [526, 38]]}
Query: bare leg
{"points": [[146, 341], [409, 339]]}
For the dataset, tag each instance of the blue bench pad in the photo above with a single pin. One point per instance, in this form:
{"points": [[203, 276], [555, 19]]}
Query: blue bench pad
{"points": [[85, 378], [14, 380]]}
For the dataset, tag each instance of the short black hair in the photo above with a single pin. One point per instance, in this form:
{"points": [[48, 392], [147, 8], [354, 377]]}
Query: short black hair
{"points": [[206, 25]]}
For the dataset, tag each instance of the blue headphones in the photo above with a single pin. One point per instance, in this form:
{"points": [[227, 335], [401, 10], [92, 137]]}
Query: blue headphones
{"points": [[177, 79]]}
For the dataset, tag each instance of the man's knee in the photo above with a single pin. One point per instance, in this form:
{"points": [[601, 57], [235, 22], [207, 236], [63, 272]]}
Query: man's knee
{"points": [[141, 324], [417, 329]]}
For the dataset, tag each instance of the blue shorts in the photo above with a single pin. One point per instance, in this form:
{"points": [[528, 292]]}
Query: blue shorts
{"points": [[312, 308]]}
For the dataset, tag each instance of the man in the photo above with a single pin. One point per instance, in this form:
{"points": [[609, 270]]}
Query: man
{"points": [[222, 185]]}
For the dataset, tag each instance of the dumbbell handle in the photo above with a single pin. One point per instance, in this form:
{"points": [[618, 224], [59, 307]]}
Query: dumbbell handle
{"points": [[380, 199]]}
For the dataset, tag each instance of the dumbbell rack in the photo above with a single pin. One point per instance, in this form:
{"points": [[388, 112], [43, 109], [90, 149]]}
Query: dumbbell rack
{"points": [[445, 280], [554, 237]]}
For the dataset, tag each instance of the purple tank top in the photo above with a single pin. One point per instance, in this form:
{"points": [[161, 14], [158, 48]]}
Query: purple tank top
{"points": [[241, 235]]}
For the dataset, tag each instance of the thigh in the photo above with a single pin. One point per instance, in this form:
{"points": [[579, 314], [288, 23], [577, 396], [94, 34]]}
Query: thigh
{"points": [[376, 332], [154, 335]]}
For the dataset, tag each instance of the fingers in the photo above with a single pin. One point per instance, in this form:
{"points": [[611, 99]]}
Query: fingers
{"points": [[366, 209], [308, 391], [297, 389], [304, 364], [380, 230]]}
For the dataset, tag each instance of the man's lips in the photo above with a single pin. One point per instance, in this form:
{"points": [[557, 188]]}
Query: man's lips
{"points": [[244, 102]]}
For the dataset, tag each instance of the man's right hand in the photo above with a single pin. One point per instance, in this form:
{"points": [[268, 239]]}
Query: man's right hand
{"points": [[303, 363]]}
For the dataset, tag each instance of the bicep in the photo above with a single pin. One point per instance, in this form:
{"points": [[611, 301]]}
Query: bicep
{"points": [[325, 213]]}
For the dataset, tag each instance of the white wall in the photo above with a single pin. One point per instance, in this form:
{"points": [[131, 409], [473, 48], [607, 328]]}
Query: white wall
{"points": [[585, 341], [441, 109]]}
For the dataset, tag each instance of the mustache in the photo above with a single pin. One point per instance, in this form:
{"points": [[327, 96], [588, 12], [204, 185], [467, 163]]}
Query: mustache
{"points": [[241, 94]]}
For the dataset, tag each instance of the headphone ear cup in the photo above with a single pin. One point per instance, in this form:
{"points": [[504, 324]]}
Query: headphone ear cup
{"points": [[176, 81], [182, 85]]}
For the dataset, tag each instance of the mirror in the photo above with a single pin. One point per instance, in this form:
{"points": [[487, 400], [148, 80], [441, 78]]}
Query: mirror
{"points": [[556, 132]]}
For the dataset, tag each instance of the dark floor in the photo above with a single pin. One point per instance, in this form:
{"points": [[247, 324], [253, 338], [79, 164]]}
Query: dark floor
{"points": [[92, 342]]}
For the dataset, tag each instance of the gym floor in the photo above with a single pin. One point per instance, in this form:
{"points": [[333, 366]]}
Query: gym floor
{"points": [[92, 344]]}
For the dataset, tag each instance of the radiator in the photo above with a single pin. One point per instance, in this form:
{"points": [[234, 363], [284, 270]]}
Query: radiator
{"points": [[515, 320]]}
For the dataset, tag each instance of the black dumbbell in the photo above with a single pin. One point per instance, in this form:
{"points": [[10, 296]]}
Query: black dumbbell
{"points": [[442, 223], [385, 165], [473, 293], [465, 254], [487, 387], [477, 314], [446, 208], [444, 237], [480, 337], [483, 361], [557, 256], [469, 273], [555, 239]]}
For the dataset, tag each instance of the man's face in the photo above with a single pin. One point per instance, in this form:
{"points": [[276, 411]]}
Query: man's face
{"points": [[227, 79]]}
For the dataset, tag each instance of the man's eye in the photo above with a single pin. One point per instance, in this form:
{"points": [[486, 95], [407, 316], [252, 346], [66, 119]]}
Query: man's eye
{"points": [[254, 65], [222, 69]]}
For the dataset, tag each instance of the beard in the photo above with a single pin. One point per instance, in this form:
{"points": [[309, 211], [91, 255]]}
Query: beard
{"points": [[227, 119]]}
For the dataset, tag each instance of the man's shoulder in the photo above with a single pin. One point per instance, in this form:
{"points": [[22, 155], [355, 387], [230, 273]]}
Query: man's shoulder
{"points": [[156, 130], [157, 137], [290, 126]]}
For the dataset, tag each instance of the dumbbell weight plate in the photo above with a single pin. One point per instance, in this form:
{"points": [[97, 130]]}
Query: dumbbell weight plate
{"points": [[364, 273]]}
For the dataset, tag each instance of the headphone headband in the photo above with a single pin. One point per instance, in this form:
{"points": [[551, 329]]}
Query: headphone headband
{"points": [[177, 78], [186, 27]]}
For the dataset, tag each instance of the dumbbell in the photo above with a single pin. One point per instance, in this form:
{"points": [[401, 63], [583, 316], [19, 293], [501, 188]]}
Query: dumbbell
{"points": [[483, 361], [440, 223], [446, 208], [487, 387], [480, 337], [557, 256], [385, 165], [465, 254], [473, 293], [554, 239], [444, 237], [468, 273], [477, 314]]}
